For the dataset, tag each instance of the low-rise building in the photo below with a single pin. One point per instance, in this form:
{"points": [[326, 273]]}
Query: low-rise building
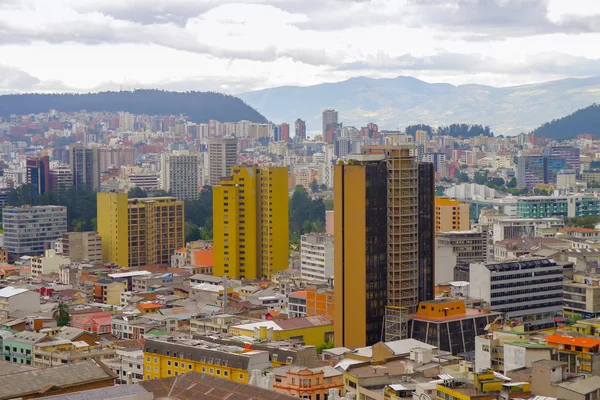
{"points": [[97, 323], [109, 291], [147, 283], [309, 330], [14, 299], [581, 296], [581, 353], [307, 383], [62, 351], [128, 365], [80, 246], [47, 264], [164, 359], [19, 348]]}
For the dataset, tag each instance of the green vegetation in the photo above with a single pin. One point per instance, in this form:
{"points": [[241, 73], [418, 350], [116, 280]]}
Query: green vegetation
{"points": [[585, 120], [61, 314], [306, 215], [589, 222], [464, 130], [325, 346]]}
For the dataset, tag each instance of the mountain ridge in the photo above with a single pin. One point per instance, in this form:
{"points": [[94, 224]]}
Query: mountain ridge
{"points": [[398, 102]]}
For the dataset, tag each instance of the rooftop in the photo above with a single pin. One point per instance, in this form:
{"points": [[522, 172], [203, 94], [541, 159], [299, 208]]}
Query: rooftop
{"points": [[129, 274], [577, 341], [10, 291]]}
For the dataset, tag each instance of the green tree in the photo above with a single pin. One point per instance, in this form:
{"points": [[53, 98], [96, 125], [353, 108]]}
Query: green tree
{"points": [[323, 187], [462, 177], [60, 312], [512, 183], [589, 222], [328, 205], [314, 186], [325, 346], [481, 176], [497, 181], [306, 215], [192, 232]]}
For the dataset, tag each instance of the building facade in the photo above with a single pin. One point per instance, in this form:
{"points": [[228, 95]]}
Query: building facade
{"points": [[29, 230], [139, 232], [250, 222], [222, 156], [79, 246], [85, 167], [181, 174], [451, 215], [316, 256]]}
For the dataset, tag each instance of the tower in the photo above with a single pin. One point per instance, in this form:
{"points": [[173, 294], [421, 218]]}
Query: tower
{"points": [[222, 155], [85, 167]]}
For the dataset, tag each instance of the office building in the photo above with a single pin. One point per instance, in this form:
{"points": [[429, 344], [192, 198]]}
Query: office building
{"points": [[85, 167], [342, 147], [448, 325], [533, 170], [222, 155], [581, 295], [250, 222], [38, 174], [436, 159], [284, 132], [61, 177], [377, 257], [139, 232], [426, 231], [570, 154], [116, 157], [330, 120], [29, 230], [80, 246], [181, 173], [300, 130], [316, 256], [566, 181], [528, 291], [451, 215], [458, 248]]}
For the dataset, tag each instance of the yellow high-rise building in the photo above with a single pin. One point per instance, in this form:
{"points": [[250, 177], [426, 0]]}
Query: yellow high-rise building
{"points": [[451, 215], [250, 222], [139, 232]]}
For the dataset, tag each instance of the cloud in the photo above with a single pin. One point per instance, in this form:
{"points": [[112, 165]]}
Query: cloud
{"points": [[16, 79]]}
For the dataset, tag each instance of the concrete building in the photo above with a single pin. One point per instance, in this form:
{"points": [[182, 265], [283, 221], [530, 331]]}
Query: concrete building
{"points": [[61, 177], [566, 181], [250, 222], [85, 167], [571, 154], [18, 299], [29, 230], [139, 232], [330, 119], [308, 330], [516, 227], [579, 205], [307, 383], [458, 248], [38, 174], [533, 170], [300, 130], [49, 263], [451, 215], [529, 290], [222, 156], [80, 246], [19, 347], [316, 256], [181, 173], [581, 296]]}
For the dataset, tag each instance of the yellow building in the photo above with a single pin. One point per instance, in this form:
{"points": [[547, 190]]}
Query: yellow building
{"points": [[312, 331], [360, 258], [451, 215], [164, 359], [485, 387], [139, 232], [250, 222]]}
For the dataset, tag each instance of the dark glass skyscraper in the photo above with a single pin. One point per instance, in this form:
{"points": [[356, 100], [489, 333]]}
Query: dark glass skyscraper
{"points": [[426, 231]]}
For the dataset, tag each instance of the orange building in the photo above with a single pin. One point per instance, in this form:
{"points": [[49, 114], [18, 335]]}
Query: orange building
{"points": [[319, 302], [307, 383], [203, 257], [3, 256], [451, 215], [584, 349], [148, 308]]}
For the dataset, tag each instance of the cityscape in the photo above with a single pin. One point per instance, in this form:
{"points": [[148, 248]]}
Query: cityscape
{"points": [[318, 219]]}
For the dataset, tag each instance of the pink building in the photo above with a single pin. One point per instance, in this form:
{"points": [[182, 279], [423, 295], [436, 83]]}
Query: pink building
{"points": [[329, 222], [307, 383]]}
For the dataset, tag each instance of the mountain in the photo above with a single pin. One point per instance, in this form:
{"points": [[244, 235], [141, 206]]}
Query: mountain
{"points": [[403, 101], [199, 106], [585, 120]]}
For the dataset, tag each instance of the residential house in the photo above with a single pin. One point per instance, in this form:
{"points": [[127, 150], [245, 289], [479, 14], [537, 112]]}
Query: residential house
{"points": [[13, 299], [19, 348], [98, 323]]}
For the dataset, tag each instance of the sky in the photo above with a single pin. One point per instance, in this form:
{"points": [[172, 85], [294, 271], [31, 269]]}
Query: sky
{"points": [[235, 47]]}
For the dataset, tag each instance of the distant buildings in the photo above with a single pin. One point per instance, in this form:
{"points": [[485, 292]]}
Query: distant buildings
{"points": [[29, 230], [139, 232], [181, 174], [330, 120], [533, 170], [250, 222], [14, 299], [222, 155], [300, 130]]}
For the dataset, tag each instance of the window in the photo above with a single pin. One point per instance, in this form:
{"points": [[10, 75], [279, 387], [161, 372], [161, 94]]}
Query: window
{"points": [[147, 377], [168, 372], [189, 366], [169, 362], [148, 368], [156, 361], [203, 369], [212, 371], [218, 372], [176, 364], [148, 359], [156, 370], [225, 373], [241, 376]]}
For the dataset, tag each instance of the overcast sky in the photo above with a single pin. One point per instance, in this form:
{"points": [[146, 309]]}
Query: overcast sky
{"points": [[59, 45]]}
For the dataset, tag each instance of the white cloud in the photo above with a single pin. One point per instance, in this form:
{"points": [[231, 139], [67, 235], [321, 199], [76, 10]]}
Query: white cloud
{"points": [[249, 44]]}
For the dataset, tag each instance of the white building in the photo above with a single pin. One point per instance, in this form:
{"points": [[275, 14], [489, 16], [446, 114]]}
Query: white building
{"points": [[21, 299], [49, 263], [316, 256], [181, 173], [128, 365]]}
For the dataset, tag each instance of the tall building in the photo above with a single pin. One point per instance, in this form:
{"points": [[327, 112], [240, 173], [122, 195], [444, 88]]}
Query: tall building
{"points": [[79, 246], [250, 222], [538, 169], [360, 261], [61, 177], [284, 132], [38, 174], [330, 120], [529, 291], [316, 256], [426, 231], [451, 215], [571, 154], [300, 129], [181, 173], [222, 155], [85, 167], [139, 232], [388, 217], [29, 230]]}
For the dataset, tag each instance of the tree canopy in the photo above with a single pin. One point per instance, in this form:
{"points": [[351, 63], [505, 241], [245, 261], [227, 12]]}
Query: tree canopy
{"points": [[585, 120], [306, 215]]}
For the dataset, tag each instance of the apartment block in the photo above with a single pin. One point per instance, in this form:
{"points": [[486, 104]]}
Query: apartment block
{"points": [[85, 167], [528, 290], [49, 263], [38, 174], [13, 299], [222, 155], [250, 222], [582, 296], [458, 248], [181, 174], [451, 215], [80, 246], [29, 230], [316, 256], [139, 232]]}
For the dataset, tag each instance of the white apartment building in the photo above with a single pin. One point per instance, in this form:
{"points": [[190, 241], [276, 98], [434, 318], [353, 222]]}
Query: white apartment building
{"points": [[49, 263], [180, 174], [128, 365], [13, 299], [222, 155], [316, 256]]}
